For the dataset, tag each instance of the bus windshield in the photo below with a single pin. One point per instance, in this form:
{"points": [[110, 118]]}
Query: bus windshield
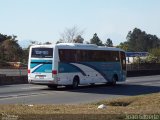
{"points": [[42, 53]]}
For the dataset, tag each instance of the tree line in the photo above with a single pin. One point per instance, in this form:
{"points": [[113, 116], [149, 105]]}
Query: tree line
{"points": [[74, 35], [136, 41], [140, 41], [10, 50]]}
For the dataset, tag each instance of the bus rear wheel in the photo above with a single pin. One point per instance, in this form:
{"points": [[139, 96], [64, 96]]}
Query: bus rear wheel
{"points": [[75, 82]]}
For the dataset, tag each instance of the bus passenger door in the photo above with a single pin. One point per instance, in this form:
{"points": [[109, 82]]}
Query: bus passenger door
{"points": [[123, 65]]}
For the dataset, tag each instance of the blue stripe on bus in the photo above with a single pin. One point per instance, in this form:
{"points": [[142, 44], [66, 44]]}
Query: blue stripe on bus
{"points": [[41, 61], [33, 65], [107, 70], [80, 70], [69, 68], [96, 69], [46, 66]]}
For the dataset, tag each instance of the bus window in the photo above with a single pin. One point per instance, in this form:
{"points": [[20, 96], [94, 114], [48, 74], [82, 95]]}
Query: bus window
{"points": [[68, 55], [42, 53]]}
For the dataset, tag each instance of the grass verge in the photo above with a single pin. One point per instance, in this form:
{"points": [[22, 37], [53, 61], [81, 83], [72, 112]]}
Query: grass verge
{"points": [[116, 109]]}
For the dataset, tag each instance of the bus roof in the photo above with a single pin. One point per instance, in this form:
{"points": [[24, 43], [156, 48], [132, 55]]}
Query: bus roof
{"points": [[85, 46], [35, 46], [78, 46]]}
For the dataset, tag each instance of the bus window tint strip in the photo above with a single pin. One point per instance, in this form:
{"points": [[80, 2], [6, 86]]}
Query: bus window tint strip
{"points": [[67, 55]]}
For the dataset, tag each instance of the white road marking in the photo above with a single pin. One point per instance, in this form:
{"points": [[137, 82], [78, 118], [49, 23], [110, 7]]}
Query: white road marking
{"points": [[22, 95]]}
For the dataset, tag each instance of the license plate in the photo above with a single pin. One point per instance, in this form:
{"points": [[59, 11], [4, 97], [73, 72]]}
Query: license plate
{"points": [[40, 76]]}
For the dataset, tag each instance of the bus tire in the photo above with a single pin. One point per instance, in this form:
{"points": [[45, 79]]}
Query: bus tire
{"points": [[75, 82], [52, 86], [92, 84], [114, 80]]}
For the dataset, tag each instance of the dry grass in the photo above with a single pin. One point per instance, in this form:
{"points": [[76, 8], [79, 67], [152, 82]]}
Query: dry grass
{"points": [[144, 104]]}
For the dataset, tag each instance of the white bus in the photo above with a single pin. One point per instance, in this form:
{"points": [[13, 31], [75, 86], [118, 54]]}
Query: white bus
{"points": [[72, 64]]}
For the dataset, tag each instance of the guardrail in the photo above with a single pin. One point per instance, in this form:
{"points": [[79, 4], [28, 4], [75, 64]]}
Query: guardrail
{"points": [[143, 66], [19, 76], [8, 80], [13, 72]]}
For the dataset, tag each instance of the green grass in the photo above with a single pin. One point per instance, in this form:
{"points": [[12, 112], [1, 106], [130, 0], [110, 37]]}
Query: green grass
{"points": [[116, 108]]}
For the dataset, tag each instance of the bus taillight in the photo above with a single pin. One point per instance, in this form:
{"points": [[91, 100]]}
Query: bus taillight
{"points": [[29, 71], [54, 72]]}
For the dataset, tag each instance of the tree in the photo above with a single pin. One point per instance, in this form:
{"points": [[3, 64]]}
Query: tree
{"points": [[156, 53], [151, 59], [70, 34], [86, 42], [78, 39], [12, 50], [109, 43], [47, 43], [140, 41], [2, 55], [96, 40], [60, 41], [33, 42], [25, 55], [4, 37], [124, 46]]}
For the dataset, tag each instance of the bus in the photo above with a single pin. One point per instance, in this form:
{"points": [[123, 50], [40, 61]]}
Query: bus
{"points": [[73, 64]]}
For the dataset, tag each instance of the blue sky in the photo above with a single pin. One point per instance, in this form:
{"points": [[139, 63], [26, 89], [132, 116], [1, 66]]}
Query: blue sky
{"points": [[45, 20]]}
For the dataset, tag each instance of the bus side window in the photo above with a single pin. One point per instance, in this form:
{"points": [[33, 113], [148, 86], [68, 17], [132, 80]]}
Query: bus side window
{"points": [[61, 55]]}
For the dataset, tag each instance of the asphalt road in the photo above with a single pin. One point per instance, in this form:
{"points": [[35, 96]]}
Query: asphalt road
{"points": [[36, 94]]}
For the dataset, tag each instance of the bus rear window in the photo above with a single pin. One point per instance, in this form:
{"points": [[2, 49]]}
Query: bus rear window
{"points": [[42, 52]]}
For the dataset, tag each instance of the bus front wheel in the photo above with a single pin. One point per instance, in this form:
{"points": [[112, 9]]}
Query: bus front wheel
{"points": [[114, 80]]}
